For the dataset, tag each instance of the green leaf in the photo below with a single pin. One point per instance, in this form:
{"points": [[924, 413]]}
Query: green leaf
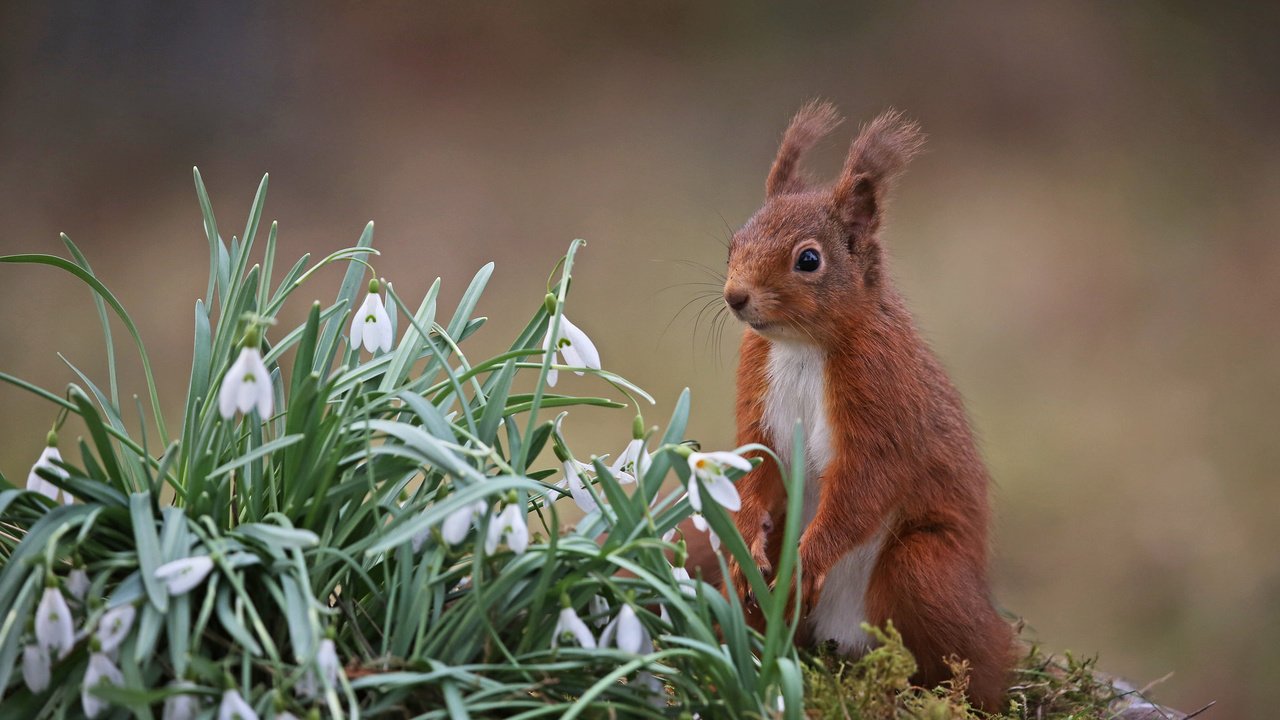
{"points": [[148, 548], [258, 452]]}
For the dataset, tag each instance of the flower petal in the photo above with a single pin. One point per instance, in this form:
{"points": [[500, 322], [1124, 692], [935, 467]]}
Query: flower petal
{"points": [[553, 374], [722, 490], [382, 324], [78, 583], [578, 489], [580, 343], [572, 624], [54, 630], [695, 498], [630, 631], [233, 707], [230, 390], [516, 529], [36, 667], [733, 460], [700, 522], [114, 627], [101, 670], [182, 706], [493, 536], [264, 394], [455, 526]]}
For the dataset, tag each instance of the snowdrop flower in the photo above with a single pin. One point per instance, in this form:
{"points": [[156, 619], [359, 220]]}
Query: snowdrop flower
{"points": [[709, 470], [509, 524], [311, 685], [78, 583], [701, 524], [371, 326], [577, 348], [36, 666], [181, 706], [54, 631], [182, 575], [114, 626], [570, 625], [35, 483], [101, 669], [634, 460], [684, 581], [577, 487], [626, 632], [233, 707], [454, 529], [247, 384]]}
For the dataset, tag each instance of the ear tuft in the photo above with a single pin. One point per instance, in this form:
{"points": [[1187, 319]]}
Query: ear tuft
{"points": [[814, 120], [877, 157]]}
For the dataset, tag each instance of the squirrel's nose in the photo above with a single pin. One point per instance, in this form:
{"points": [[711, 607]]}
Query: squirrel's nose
{"points": [[736, 298]]}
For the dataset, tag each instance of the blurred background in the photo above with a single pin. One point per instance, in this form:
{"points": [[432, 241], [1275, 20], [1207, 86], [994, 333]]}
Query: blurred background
{"points": [[1090, 243]]}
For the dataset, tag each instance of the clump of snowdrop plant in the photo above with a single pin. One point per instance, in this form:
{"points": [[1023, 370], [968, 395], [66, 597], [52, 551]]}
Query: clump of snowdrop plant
{"points": [[355, 518]]}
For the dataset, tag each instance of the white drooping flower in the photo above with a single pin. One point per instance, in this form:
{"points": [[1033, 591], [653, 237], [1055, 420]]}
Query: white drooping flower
{"points": [[626, 632], [181, 706], [114, 627], [570, 625], [371, 325], [247, 385], [577, 348], [234, 707], [36, 667], [509, 525], [35, 483], [78, 583], [181, 576], [325, 675], [577, 486], [633, 462], [455, 527], [702, 525], [101, 670], [685, 582], [54, 630], [709, 472]]}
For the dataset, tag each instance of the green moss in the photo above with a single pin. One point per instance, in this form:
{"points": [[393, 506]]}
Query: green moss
{"points": [[878, 687]]}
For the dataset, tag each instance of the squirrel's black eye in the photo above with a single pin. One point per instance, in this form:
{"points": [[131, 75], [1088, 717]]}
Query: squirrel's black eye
{"points": [[809, 260]]}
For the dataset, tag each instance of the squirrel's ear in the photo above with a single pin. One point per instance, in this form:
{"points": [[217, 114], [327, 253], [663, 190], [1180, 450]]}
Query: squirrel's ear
{"points": [[815, 119], [877, 157]]}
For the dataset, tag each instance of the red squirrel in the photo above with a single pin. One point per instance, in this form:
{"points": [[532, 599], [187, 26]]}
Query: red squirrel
{"points": [[895, 493]]}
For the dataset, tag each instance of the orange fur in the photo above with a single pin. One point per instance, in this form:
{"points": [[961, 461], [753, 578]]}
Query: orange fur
{"points": [[903, 455]]}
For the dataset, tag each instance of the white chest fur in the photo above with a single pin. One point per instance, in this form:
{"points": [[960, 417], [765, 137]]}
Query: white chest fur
{"points": [[797, 379]]}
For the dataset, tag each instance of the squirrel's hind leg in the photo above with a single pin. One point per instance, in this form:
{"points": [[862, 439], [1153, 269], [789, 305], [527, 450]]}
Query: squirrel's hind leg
{"points": [[936, 597]]}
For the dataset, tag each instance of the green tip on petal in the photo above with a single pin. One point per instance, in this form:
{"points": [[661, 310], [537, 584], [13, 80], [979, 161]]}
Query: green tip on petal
{"points": [[549, 302], [373, 286]]}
